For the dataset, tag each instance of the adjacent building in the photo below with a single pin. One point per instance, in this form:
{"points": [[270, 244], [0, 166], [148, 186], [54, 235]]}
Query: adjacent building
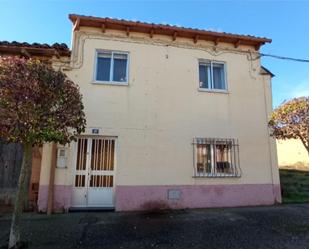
{"points": [[11, 154], [292, 154]]}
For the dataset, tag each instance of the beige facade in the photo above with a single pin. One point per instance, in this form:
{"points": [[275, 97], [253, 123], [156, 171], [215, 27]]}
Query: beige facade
{"points": [[155, 118]]}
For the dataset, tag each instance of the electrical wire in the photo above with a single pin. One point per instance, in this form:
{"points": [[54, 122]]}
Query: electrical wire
{"points": [[213, 52], [284, 58]]}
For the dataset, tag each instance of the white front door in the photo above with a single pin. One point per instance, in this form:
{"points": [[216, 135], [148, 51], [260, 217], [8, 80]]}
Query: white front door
{"points": [[94, 179]]}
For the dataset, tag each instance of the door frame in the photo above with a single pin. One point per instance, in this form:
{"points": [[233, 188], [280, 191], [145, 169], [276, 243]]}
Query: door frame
{"points": [[73, 165]]}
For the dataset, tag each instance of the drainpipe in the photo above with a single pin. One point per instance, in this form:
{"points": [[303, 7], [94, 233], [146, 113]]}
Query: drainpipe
{"points": [[50, 200], [267, 112]]}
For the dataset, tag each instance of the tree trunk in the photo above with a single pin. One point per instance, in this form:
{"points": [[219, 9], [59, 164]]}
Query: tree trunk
{"points": [[26, 205], [22, 190], [50, 201]]}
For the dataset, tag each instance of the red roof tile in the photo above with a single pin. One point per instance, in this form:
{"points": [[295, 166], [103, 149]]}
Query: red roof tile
{"points": [[175, 31]]}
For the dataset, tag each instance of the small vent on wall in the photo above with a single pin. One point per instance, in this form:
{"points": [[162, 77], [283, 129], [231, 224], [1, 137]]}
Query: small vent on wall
{"points": [[174, 194]]}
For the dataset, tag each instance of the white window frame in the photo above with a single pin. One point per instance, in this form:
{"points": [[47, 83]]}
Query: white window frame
{"points": [[111, 82], [211, 85]]}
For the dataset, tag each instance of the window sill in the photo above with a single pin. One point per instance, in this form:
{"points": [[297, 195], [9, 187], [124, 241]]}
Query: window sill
{"points": [[217, 176], [111, 83], [213, 90]]}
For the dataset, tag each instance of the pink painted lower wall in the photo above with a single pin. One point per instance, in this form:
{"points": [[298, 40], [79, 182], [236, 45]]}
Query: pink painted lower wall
{"points": [[129, 198], [62, 198]]}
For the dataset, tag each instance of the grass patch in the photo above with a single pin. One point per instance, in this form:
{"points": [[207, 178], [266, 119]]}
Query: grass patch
{"points": [[294, 185]]}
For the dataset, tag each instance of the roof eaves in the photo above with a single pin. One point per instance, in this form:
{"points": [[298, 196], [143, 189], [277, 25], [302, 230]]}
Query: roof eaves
{"points": [[34, 48], [264, 70], [182, 31]]}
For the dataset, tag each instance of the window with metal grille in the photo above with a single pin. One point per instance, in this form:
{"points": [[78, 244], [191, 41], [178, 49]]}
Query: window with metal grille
{"points": [[214, 157]]}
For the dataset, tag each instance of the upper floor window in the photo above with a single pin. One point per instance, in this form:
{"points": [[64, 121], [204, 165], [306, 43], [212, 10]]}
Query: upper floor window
{"points": [[216, 157], [112, 67], [212, 76]]}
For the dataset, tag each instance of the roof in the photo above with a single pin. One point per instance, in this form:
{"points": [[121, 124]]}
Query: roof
{"points": [[163, 29], [34, 49], [264, 70]]}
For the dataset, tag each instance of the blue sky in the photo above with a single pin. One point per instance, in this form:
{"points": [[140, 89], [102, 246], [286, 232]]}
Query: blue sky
{"points": [[286, 22]]}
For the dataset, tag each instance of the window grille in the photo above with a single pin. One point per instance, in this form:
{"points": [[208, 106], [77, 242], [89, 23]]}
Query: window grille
{"points": [[216, 157]]}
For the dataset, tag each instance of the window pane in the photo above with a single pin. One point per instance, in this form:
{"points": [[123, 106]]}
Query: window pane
{"points": [[120, 68], [120, 56], [103, 66], [223, 158], [105, 55], [203, 158], [204, 73], [218, 76]]}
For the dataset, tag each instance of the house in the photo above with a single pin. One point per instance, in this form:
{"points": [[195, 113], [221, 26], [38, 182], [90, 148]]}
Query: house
{"points": [[11, 154], [292, 154], [176, 118]]}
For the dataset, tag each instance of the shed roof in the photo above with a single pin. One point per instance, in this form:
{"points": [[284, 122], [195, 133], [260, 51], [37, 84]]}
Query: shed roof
{"points": [[266, 71], [34, 49]]}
